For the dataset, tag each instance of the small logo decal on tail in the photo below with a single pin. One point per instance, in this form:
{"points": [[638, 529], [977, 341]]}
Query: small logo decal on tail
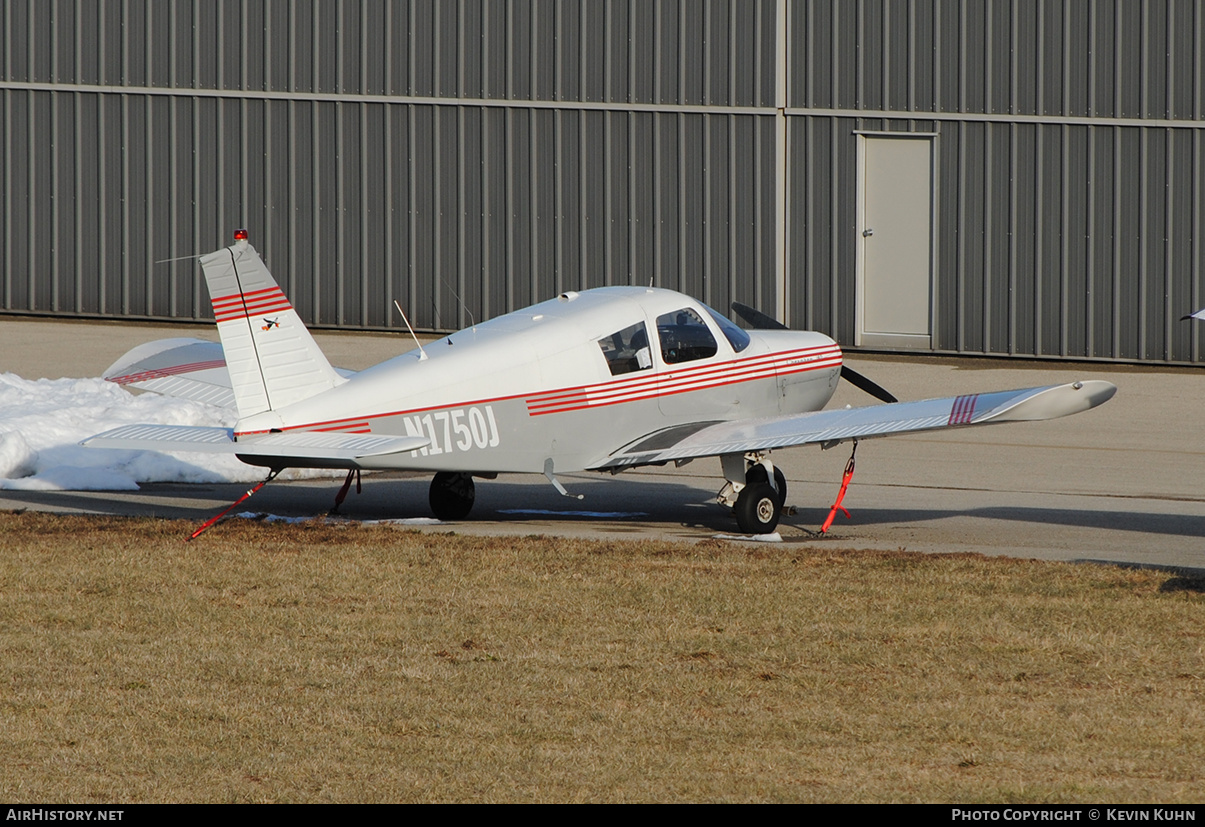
{"points": [[270, 323]]}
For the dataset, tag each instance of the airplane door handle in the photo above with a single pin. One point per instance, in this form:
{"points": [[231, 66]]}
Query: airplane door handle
{"points": [[868, 232]]}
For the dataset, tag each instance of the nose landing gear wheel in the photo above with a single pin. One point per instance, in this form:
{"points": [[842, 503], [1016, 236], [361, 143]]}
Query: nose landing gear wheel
{"points": [[452, 495]]}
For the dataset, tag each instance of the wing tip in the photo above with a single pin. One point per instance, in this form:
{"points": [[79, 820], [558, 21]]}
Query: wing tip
{"points": [[1056, 401]]}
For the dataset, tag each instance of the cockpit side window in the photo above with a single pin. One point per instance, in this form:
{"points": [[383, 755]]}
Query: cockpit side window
{"points": [[628, 350], [684, 337], [736, 337]]}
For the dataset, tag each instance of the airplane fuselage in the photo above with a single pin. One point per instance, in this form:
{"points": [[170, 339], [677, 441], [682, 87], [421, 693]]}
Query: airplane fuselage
{"points": [[593, 368]]}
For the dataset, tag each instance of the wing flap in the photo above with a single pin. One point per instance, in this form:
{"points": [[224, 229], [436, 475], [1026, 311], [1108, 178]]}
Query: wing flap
{"points": [[767, 433], [299, 449]]}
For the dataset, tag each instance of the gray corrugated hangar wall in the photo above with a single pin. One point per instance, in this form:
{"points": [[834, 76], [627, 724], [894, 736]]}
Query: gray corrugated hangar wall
{"points": [[505, 151], [1068, 211], [419, 151]]}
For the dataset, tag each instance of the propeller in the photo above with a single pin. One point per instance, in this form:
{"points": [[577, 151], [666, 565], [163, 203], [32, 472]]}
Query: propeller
{"points": [[760, 321], [862, 383]]}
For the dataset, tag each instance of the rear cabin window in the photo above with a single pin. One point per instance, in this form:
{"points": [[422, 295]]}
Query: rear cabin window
{"points": [[628, 350], [684, 337]]}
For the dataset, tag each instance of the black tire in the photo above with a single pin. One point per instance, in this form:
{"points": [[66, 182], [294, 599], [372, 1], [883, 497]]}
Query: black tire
{"points": [[757, 508], [757, 473], [452, 495]]}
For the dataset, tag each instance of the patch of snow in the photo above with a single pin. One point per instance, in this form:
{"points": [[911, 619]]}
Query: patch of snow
{"points": [[757, 538], [272, 518], [404, 521], [264, 517], [17, 459], [42, 422]]}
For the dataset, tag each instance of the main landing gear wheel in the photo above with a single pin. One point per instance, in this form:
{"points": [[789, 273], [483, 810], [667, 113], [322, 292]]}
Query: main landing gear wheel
{"points": [[758, 505], [757, 508], [452, 495], [757, 473]]}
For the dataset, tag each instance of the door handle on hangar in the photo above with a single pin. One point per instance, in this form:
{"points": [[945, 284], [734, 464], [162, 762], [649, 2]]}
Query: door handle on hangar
{"points": [[868, 232]]}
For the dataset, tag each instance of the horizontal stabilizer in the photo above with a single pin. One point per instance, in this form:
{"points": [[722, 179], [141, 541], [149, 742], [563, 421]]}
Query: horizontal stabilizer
{"points": [[861, 423], [297, 449], [193, 369], [184, 368], [165, 438]]}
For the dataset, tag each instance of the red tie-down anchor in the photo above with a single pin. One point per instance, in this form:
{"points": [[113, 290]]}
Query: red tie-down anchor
{"points": [[849, 473]]}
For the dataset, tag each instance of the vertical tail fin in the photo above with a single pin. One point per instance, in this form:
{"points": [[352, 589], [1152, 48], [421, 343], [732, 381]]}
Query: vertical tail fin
{"points": [[273, 360]]}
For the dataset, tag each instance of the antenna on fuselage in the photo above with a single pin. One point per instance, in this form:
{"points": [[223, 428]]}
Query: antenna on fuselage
{"points": [[463, 306], [422, 354]]}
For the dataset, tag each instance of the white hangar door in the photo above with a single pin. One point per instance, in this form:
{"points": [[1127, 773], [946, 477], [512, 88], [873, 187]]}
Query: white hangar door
{"points": [[895, 248]]}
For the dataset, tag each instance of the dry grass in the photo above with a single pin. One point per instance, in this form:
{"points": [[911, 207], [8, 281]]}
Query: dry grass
{"points": [[329, 663]]}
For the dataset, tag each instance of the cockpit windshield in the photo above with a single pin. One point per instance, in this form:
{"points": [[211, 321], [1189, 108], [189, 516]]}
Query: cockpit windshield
{"points": [[684, 337], [736, 337]]}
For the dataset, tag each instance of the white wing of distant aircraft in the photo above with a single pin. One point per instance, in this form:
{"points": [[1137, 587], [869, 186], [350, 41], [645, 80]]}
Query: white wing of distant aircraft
{"points": [[605, 380]]}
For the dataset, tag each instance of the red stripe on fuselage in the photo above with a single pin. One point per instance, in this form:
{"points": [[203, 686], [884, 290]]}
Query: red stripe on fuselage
{"points": [[635, 381], [591, 402], [636, 388], [684, 380]]}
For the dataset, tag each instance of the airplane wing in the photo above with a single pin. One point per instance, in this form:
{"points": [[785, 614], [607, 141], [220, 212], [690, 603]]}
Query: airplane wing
{"points": [[765, 433], [307, 449], [184, 368]]}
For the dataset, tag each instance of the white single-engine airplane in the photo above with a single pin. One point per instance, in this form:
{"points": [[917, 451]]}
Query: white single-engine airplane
{"points": [[602, 380]]}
